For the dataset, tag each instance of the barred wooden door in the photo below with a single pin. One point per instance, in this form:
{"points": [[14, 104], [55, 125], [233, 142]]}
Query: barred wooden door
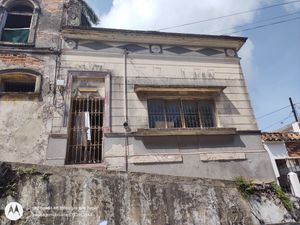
{"points": [[85, 131]]}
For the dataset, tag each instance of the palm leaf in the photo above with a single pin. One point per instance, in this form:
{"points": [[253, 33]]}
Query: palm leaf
{"points": [[89, 12]]}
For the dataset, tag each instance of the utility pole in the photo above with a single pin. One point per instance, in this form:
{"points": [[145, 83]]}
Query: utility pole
{"points": [[294, 110]]}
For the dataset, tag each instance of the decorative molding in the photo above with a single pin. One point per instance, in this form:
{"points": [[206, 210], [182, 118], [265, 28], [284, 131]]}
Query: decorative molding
{"points": [[155, 49], [230, 52]]}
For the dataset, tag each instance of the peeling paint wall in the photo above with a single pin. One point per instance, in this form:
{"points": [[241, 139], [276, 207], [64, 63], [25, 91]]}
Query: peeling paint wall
{"points": [[25, 120]]}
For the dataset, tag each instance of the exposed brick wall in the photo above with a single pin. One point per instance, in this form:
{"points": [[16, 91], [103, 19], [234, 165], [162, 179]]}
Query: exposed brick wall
{"points": [[20, 60], [53, 6]]}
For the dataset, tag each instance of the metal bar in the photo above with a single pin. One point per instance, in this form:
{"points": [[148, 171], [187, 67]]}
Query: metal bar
{"points": [[86, 146], [165, 114], [80, 150], [92, 129], [182, 115], [80, 131], [96, 130], [99, 149], [71, 138], [75, 129]]}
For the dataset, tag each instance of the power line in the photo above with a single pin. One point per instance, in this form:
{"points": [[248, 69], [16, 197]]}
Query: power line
{"points": [[260, 21], [281, 121], [266, 25], [275, 111], [230, 15]]}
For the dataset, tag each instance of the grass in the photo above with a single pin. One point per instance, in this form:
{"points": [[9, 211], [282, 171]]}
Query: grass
{"points": [[284, 198], [245, 186]]}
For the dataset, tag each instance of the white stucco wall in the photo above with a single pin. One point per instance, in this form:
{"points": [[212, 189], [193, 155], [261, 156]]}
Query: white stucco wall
{"points": [[276, 150]]}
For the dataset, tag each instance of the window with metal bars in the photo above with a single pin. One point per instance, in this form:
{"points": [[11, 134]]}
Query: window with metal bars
{"points": [[181, 114], [85, 131], [18, 86], [19, 82]]}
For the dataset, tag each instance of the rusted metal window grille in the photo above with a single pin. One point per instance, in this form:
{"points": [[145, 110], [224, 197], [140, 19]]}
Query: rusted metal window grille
{"points": [[18, 86], [85, 131], [180, 114]]}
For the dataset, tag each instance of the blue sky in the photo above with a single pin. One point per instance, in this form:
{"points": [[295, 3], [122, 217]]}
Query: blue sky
{"points": [[270, 58]]}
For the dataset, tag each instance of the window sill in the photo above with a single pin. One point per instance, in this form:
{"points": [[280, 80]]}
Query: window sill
{"points": [[18, 96], [154, 132], [16, 44], [20, 93]]}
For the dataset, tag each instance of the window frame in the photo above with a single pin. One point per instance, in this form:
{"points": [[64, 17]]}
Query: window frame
{"points": [[15, 75], [4, 11], [198, 100]]}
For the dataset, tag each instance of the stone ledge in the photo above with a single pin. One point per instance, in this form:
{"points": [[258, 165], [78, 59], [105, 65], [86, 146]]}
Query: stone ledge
{"points": [[155, 159], [222, 156], [184, 132]]}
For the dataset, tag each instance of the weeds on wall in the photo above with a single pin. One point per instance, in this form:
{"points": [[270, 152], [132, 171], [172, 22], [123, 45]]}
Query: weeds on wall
{"points": [[284, 198], [245, 186]]}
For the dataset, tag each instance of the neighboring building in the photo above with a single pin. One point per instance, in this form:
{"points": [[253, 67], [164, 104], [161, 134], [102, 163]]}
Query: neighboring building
{"points": [[144, 101], [284, 151], [293, 127]]}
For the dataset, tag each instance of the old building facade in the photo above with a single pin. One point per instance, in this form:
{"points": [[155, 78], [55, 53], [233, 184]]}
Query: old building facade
{"points": [[126, 100]]}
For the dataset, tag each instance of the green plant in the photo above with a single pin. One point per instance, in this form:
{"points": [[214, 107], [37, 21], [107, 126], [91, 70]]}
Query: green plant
{"points": [[245, 186], [11, 189], [26, 172], [284, 198], [45, 176]]}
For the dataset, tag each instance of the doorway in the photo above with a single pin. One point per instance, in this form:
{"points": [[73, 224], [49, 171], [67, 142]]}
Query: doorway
{"points": [[85, 131]]}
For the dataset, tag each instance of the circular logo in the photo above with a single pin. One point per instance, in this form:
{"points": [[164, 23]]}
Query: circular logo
{"points": [[13, 211]]}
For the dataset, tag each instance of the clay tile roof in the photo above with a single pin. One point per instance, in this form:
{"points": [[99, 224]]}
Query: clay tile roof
{"points": [[277, 136]]}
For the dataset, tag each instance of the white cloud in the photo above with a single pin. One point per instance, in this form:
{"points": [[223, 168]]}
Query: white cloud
{"points": [[157, 14], [292, 7], [246, 53]]}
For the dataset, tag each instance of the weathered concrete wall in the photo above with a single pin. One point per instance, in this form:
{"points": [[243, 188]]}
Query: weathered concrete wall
{"points": [[50, 21], [191, 151], [26, 120], [61, 195]]}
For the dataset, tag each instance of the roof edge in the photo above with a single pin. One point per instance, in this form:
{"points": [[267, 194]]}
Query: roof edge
{"points": [[79, 30]]}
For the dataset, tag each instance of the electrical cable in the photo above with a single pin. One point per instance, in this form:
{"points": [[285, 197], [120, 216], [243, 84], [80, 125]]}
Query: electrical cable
{"points": [[260, 21], [230, 15], [266, 25], [281, 121], [277, 110]]}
